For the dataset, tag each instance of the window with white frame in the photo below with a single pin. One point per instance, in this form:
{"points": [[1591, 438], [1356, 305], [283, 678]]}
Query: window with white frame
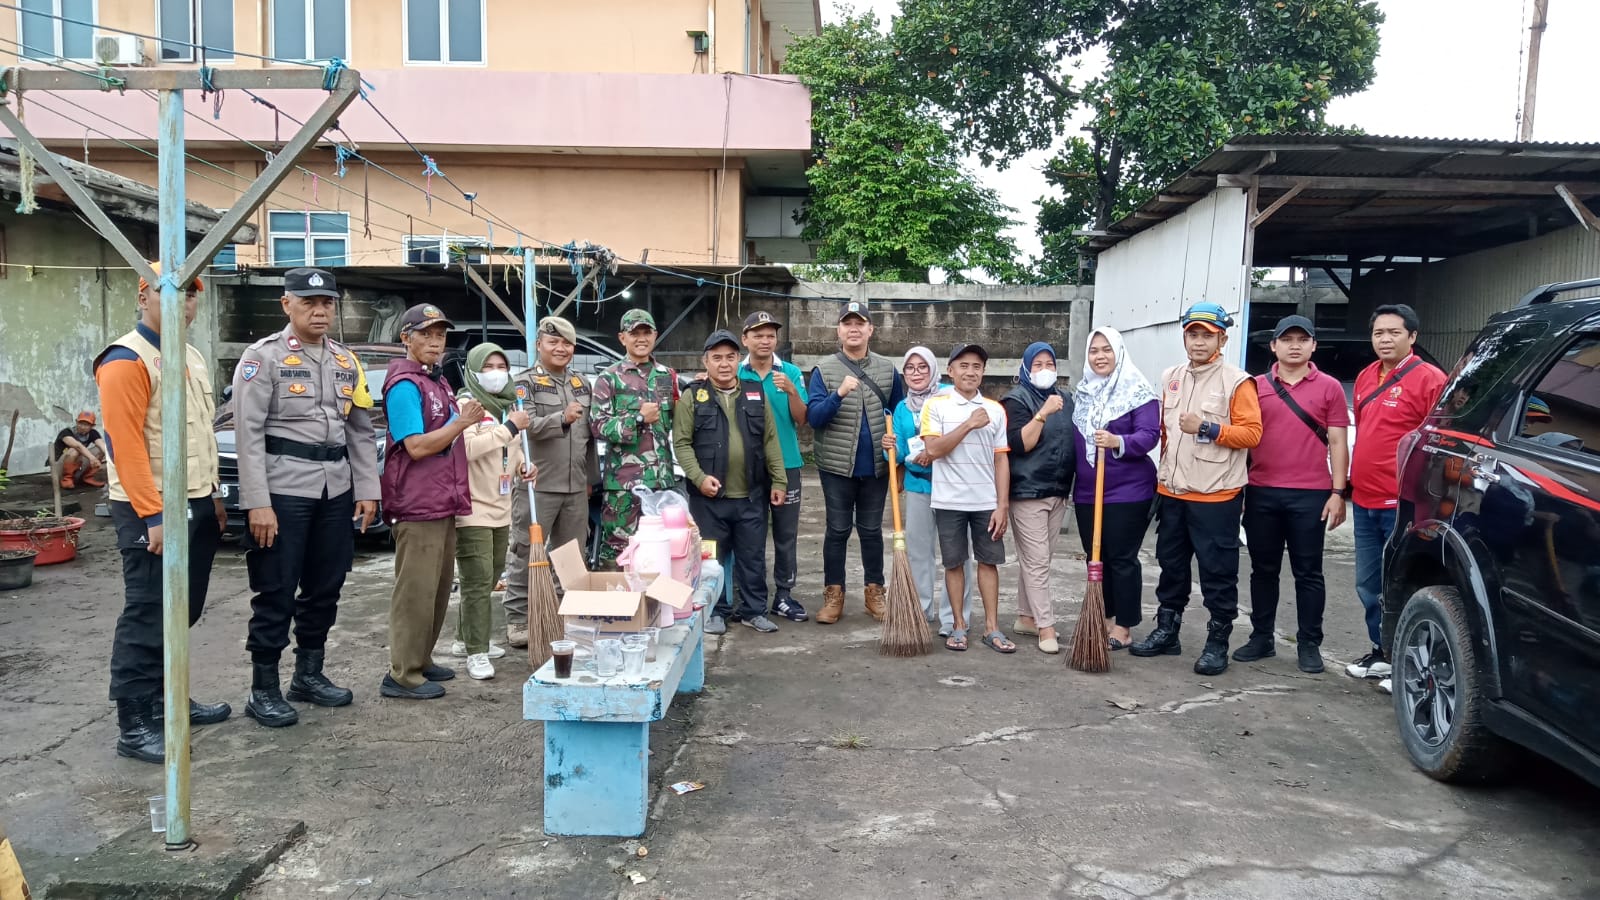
{"points": [[308, 238], [310, 29], [184, 23], [444, 250], [445, 31], [46, 33]]}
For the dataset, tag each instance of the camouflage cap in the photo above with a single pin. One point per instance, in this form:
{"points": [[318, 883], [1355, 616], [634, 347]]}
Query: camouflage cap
{"points": [[633, 318]]}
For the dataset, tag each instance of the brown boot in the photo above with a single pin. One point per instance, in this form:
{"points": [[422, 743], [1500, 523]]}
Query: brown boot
{"points": [[832, 604], [874, 598]]}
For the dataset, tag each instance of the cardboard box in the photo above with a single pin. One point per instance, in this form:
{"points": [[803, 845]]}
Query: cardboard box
{"points": [[604, 599]]}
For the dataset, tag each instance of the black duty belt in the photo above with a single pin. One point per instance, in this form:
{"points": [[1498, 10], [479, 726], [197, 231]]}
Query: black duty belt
{"points": [[316, 452]]}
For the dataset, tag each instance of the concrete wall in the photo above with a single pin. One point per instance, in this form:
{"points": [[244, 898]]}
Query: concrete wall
{"points": [[1455, 297], [54, 321]]}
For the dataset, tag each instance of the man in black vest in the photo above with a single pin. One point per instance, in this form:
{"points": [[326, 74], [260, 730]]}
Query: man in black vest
{"points": [[724, 438]]}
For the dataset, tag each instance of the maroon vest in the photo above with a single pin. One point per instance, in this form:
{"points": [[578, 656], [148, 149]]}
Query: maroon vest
{"points": [[434, 487]]}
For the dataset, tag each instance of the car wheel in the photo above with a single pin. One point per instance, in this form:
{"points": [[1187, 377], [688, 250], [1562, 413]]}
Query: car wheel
{"points": [[1438, 691]]}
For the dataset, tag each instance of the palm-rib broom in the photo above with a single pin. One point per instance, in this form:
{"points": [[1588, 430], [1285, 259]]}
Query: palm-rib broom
{"points": [[905, 629], [544, 618], [1090, 649]]}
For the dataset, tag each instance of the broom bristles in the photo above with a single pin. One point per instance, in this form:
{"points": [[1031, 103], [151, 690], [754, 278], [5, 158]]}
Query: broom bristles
{"points": [[544, 616], [1090, 649], [905, 630]]}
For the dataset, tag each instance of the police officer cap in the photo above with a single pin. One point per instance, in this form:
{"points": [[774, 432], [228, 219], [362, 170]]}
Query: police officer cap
{"points": [[310, 283], [759, 318], [423, 315], [719, 337], [559, 327]]}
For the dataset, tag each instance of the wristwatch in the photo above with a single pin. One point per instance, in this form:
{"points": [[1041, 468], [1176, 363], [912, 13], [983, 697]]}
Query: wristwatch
{"points": [[1038, 417]]}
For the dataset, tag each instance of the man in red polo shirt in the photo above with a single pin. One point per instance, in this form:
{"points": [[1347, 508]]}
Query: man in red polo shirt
{"points": [[1297, 482], [1392, 397]]}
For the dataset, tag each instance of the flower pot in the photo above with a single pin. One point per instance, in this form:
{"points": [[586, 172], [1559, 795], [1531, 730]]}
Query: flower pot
{"points": [[16, 569], [54, 539]]}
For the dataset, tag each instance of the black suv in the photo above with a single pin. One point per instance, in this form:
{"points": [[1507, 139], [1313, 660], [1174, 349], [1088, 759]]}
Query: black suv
{"points": [[1491, 599]]}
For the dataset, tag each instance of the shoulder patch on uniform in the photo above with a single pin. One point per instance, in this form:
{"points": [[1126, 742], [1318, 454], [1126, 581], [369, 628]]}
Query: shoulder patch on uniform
{"points": [[522, 392], [248, 368]]}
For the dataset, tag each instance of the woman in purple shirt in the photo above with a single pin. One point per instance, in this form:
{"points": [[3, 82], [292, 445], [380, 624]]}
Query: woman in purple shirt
{"points": [[1115, 408]]}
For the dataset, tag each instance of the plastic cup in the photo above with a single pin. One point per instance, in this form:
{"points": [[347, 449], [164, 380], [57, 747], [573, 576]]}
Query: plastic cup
{"points": [[633, 659], [158, 815], [653, 635], [561, 652], [607, 657]]}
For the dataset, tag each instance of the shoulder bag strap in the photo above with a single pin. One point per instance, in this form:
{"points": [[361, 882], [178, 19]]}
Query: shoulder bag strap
{"points": [[1391, 382], [1298, 410], [862, 376]]}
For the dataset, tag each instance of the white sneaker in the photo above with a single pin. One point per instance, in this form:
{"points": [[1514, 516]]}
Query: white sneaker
{"points": [[479, 667], [1386, 685], [458, 649], [1373, 665]]}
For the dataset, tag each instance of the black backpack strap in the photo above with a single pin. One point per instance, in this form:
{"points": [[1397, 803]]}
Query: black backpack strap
{"points": [[1298, 410]]}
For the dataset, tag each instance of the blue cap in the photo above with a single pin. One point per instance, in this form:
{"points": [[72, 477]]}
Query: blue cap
{"points": [[1209, 314]]}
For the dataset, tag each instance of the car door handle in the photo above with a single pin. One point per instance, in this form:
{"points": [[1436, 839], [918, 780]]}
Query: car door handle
{"points": [[1483, 474]]}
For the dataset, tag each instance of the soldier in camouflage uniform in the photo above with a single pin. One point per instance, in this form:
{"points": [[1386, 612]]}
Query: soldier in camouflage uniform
{"points": [[632, 414]]}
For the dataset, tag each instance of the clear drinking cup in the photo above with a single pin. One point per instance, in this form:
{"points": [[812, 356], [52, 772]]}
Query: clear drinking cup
{"points": [[158, 814], [607, 657], [561, 652], [633, 659], [653, 635]]}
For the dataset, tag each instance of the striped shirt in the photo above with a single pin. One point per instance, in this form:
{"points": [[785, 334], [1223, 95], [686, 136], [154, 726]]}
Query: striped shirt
{"points": [[964, 480]]}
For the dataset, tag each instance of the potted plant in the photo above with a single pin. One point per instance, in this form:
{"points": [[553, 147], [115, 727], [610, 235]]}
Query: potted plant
{"points": [[16, 568], [54, 539]]}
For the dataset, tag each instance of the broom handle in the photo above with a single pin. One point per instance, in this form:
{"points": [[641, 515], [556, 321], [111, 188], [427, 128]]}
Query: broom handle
{"points": [[1099, 500], [894, 491], [533, 510]]}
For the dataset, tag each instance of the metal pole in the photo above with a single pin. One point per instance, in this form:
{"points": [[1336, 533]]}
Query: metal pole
{"points": [[174, 470], [530, 312]]}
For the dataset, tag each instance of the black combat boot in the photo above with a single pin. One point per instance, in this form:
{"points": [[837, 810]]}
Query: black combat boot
{"points": [[1214, 656], [140, 735], [1163, 641], [1260, 646], [266, 705], [309, 685], [199, 713]]}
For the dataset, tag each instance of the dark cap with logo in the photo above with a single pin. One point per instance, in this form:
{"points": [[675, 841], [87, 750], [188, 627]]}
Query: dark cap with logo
{"points": [[759, 318], [310, 283], [719, 337], [423, 315], [961, 349], [1289, 322], [855, 308]]}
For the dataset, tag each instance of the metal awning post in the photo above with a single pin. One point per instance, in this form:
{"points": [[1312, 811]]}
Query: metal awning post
{"points": [[174, 468]]}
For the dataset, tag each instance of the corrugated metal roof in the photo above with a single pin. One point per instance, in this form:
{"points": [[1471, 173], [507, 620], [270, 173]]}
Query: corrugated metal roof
{"points": [[1426, 205]]}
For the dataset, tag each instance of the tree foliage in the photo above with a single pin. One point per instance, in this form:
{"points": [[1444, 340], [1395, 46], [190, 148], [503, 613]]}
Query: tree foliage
{"points": [[1180, 77], [888, 193]]}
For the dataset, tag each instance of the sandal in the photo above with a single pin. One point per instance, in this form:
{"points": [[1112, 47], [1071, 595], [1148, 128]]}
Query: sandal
{"points": [[1115, 644], [998, 642], [957, 640]]}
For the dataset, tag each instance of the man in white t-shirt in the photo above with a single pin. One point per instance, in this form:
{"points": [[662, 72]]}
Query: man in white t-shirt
{"points": [[965, 435]]}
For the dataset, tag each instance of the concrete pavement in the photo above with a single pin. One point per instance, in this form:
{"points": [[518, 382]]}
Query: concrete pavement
{"points": [[830, 771]]}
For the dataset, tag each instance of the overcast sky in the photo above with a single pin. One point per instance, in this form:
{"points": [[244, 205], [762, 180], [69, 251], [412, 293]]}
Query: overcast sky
{"points": [[1446, 68]]}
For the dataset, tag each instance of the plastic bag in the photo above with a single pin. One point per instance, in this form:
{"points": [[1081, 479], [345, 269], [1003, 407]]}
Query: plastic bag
{"points": [[652, 503]]}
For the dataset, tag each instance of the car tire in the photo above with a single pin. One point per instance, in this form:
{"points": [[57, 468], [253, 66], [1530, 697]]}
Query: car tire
{"points": [[1439, 700]]}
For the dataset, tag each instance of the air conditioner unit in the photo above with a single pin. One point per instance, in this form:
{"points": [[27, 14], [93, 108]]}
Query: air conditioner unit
{"points": [[118, 50]]}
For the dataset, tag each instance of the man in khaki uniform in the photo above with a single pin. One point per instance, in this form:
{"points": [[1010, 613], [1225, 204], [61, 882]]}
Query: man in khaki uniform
{"points": [[562, 446], [308, 465]]}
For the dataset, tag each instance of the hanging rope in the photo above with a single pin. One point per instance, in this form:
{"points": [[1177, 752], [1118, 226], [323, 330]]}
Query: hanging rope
{"points": [[430, 169], [366, 199], [340, 156], [26, 202]]}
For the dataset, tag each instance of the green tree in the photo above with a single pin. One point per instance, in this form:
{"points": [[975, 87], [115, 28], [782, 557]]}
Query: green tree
{"points": [[1180, 78], [888, 193]]}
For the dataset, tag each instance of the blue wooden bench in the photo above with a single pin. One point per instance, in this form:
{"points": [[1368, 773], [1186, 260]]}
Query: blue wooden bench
{"points": [[597, 734]]}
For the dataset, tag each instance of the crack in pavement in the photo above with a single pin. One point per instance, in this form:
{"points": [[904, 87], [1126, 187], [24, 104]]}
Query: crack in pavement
{"points": [[1404, 873], [50, 748]]}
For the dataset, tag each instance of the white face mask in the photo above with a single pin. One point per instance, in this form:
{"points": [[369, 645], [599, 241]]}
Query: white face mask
{"points": [[495, 380], [1044, 379]]}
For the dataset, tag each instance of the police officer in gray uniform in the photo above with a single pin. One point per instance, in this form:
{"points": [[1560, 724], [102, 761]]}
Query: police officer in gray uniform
{"points": [[562, 446], [308, 465]]}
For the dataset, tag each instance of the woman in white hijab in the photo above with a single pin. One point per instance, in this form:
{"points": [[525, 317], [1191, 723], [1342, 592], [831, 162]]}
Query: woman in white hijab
{"points": [[920, 369], [1116, 409]]}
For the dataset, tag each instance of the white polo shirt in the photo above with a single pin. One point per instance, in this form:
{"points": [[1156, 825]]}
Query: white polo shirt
{"points": [[964, 480]]}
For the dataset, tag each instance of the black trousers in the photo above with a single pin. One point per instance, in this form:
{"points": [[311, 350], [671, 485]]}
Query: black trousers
{"points": [[314, 550], [136, 657], [1208, 534], [853, 503], [1273, 519], [1122, 530], [739, 526], [786, 538]]}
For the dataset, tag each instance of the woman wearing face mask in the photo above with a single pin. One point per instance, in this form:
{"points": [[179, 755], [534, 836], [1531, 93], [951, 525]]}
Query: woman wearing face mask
{"points": [[494, 470], [922, 538], [1039, 430], [1118, 411]]}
